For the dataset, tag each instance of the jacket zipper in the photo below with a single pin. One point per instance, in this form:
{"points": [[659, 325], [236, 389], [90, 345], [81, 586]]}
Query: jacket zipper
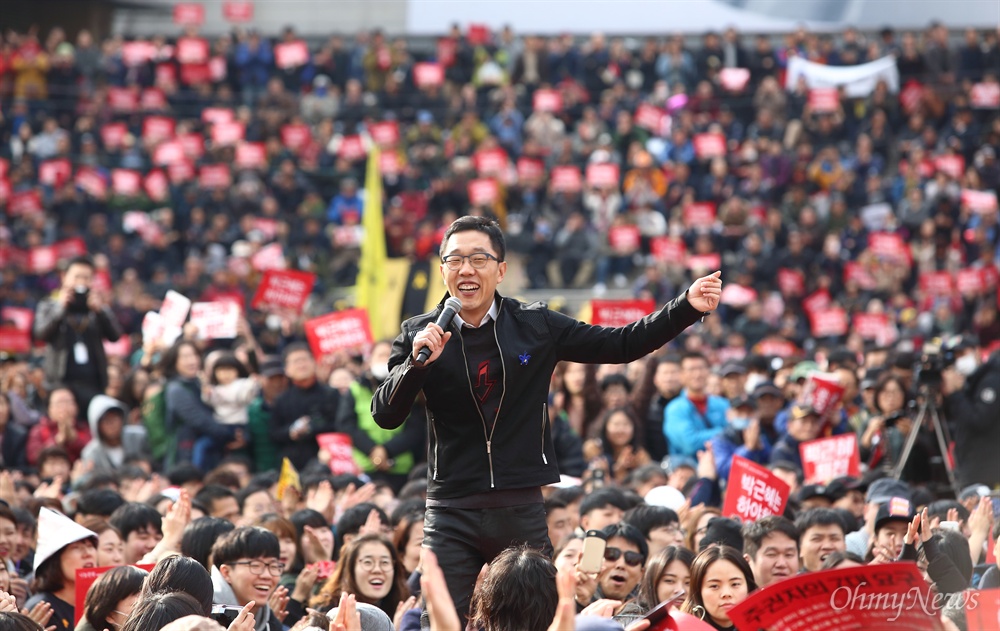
{"points": [[487, 433], [544, 418], [435, 432]]}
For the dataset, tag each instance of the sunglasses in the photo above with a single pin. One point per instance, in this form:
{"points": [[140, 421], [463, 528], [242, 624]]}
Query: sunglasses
{"points": [[634, 559]]}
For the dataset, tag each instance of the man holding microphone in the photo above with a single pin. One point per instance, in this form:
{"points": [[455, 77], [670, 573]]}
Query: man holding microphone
{"points": [[485, 373]]}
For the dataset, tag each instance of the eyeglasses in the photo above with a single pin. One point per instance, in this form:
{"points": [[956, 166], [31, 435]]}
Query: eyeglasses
{"points": [[478, 260], [257, 567], [369, 564], [634, 559]]}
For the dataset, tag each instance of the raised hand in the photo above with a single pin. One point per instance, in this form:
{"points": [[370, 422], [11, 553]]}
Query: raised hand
{"points": [[705, 293]]}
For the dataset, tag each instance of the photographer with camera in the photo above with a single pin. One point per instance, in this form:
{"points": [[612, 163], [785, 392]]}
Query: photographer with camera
{"points": [[73, 323], [972, 404], [883, 436]]}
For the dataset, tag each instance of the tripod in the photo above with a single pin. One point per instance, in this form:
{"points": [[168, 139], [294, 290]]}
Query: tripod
{"points": [[927, 395]]}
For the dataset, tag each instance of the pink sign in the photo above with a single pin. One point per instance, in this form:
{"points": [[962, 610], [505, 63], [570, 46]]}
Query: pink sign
{"points": [[283, 290], [216, 320], [824, 459], [341, 451], [753, 492], [341, 330], [618, 313]]}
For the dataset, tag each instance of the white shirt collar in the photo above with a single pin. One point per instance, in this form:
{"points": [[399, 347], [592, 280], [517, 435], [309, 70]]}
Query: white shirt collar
{"points": [[492, 313]]}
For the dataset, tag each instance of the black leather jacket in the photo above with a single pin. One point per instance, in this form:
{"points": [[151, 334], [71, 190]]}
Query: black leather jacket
{"points": [[463, 458]]}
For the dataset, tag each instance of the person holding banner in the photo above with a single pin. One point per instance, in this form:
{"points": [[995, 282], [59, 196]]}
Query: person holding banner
{"points": [[490, 448]]}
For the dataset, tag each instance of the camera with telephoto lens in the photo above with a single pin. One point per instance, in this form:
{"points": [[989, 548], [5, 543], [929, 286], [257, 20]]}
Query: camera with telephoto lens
{"points": [[78, 303], [891, 420], [934, 359]]}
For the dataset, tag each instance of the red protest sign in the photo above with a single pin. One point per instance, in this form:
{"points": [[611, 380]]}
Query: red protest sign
{"points": [[189, 13], [953, 166], [92, 182], [283, 290], [737, 295], [856, 272], [192, 50], [734, 79], [547, 100], [936, 283], [704, 263], [970, 281], [269, 257], [352, 148], [88, 576], [699, 215], [668, 249], [250, 155], [342, 330], [618, 313], [888, 245], [565, 179], [167, 153], [791, 282], [530, 169], [823, 392], [158, 128], [870, 326], [153, 100], [478, 34], [24, 203], [824, 99], [216, 320], [649, 117], [490, 162], [427, 74], [982, 609], [126, 182], [483, 192], [181, 172], [228, 133], [295, 137], [55, 172], [21, 317], [624, 239], [824, 459], [603, 175], [291, 54], [237, 11], [979, 201], [985, 96], [112, 135], [341, 451], [215, 176], [174, 309], [830, 322], [887, 596], [708, 146], [123, 99], [193, 145], [138, 52], [753, 492], [156, 186], [213, 115], [776, 348], [384, 134], [14, 340]]}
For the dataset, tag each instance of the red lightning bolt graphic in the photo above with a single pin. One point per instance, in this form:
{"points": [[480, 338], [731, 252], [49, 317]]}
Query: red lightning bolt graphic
{"points": [[485, 385]]}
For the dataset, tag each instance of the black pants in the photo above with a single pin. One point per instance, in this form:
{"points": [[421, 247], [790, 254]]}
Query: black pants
{"points": [[465, 539]]}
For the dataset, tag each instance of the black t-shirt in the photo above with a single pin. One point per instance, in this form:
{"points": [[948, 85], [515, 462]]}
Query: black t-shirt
{"points": [[62, 611], [485, 369]]}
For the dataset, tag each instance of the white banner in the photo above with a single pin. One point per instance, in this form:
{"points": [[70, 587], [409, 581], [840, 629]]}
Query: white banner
{"points": [[857, 81]]}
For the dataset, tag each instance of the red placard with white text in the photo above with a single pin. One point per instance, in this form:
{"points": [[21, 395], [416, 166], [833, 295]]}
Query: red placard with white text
{"points": [[936, 283], [167, 153], [112, 135], [704, 263], [892, 594], [982, 608], [427, 74], [174, 309], [546, 100], [980, 201], [669, 250], [55, 173], [530, 169], [618, 313], [888, 245], [228, 133], [138, 52], [985, 96], [158, 128], [126, 182], [603, 175], [734, 79], [870, 326], [123, 99], [952, 165], [291, 54], [699, 215], [565, 179], [385, 134], [753, 492], [775, 347], [824, 99], [649, 117], [283, 290], [156, 185], [215, 176], [216, 320], [970, 281], [14, 340], [338, 331], [340, 448], [824, 459], [269, 257], [213, 115], [483, 192], [823, 392], [193, 145], [708, 146], [295, 137], [624, 239], [737, 296], [92, 182], [791, 282], [25, 203], [192, 50], [234, 11], [21, 317], [830, 322], [250, 155], [189, 13], [490, 162]]}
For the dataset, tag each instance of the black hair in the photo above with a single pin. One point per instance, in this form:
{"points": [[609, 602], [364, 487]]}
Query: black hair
{"points": [[54, 452], [308, 517], [249, 490], [552, 504], [228, 360], [83, 259], [655, 567], [645, 474], [836, 558], [108, 590], [200, 535], [181, 574], [485, 225], [133, 516], [224, 478], [414, 489], [699, 568], [295, 347], [99, 502], [694, 355], [819, 517], [212, 492], [940, 509], [406, 508], [156, 611], [168, 363], [6, 512], [519, 592], [646, 518], [183, 473], [15, 621], [246, 542], [569, 494], [132, 472], [754, 532], [601, 498], [352, 520], [615, 379], [628, 532], [996, 530]]}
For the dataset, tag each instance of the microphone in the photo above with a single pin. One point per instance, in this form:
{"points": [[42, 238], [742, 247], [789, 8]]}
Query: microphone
{"points": [[451, 306]]}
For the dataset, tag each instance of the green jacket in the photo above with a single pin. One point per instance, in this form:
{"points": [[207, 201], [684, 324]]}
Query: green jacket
{"points": [[262, 450], [404, 444]]}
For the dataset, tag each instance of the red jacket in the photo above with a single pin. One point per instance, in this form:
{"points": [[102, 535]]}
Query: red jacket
{"points": [[43, 435]]}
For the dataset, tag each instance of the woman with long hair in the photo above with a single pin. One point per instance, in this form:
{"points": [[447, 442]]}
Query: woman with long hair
{"points": [[666, 577], [110, 599], [720, 579], [577, 396], [696, 524], [408, 537], [370, 569], [619, 448]]}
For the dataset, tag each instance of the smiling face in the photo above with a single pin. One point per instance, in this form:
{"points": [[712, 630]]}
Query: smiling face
{"points": [[373, 572], [8, 538], [474, 287], [139, 542], [618, 578], [777, 558], [619, 429], [724, 587], [246, 584]]}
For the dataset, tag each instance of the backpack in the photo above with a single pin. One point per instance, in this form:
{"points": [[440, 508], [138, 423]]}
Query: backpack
{"points": [[154, 418]]}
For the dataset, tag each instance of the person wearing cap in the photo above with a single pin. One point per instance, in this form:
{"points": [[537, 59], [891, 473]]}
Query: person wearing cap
{"points": [[813, 496], [734, 377], [769, 401], [694, 417], [63, 548], [972, 406], [108, 450], [803, 425], [273, 383], [742, 437], [848, 494]]}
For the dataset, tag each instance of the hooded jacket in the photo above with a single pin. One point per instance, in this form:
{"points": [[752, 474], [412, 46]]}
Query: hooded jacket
{"points": [[464, 457], [105, 457], [224, 595]]}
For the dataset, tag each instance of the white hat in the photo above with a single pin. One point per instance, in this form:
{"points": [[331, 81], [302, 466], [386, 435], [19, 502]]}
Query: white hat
{"points": [[666, 496], [55, 532]]}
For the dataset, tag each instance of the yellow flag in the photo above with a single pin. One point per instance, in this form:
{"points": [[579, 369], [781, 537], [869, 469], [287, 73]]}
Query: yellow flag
{"points": [[372, 285], [288, 479]]}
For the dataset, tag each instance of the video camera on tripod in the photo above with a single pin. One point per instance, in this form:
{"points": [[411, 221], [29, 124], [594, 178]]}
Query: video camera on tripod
{"points": [[935, 357]]}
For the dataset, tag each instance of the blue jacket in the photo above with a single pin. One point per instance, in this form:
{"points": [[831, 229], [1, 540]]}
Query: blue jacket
{"points": [[787, 449], [725, 447], [687, 430]]}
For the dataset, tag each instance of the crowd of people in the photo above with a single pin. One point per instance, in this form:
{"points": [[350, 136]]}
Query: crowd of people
{"points": [[169, 454]]}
